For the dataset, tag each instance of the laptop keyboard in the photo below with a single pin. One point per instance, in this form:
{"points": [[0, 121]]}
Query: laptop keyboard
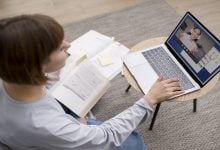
{"points": [[165, 66]]}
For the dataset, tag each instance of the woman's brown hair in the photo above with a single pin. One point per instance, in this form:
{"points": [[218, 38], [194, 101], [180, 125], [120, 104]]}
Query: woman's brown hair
{"points": [[26, 42]]}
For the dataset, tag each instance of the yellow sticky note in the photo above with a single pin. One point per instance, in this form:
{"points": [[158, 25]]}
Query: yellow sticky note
{"points": [[105, 60], [81, 58]]}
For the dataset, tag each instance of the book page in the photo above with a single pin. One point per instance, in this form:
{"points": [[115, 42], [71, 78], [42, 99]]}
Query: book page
{"points": [[81, 89], [113, 53], [84, 82], [89, 44]]}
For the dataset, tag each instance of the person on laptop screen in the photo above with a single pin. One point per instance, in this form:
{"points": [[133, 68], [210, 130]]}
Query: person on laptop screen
{"points": [[189, 39], [32, 45], [200, 50]]}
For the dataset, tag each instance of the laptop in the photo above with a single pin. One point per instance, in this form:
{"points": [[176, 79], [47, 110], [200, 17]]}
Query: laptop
{"points": [[191, 54]]}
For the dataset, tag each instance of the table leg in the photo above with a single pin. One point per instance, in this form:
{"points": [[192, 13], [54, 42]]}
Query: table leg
{"points": [[155, 115], [128, 88], [194, 104]]}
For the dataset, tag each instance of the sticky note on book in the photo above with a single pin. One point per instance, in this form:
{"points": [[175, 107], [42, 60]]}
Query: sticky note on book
{"points": [[105, 60], [81, 58]]}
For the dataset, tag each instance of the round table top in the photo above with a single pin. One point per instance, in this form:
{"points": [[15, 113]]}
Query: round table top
{"points": [[189, 96]]}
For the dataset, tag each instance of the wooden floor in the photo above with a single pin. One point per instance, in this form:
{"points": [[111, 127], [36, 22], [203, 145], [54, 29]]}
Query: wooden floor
{"points": [[65, 11]]}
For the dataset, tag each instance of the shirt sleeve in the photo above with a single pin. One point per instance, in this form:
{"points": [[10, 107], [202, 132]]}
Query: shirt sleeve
{"points": [[4, 147], [66, 134]]}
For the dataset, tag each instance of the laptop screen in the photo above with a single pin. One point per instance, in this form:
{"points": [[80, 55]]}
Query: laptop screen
{"points": [[196, 48]]}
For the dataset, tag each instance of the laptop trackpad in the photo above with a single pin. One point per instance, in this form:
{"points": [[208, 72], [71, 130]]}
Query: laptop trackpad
{"points": [[145, 75]]}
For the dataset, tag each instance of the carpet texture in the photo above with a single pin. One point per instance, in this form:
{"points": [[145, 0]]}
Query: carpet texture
{"points": [[176, 127]]}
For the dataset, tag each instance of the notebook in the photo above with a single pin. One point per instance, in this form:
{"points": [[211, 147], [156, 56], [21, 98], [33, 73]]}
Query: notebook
{"points": [[191, 54]]}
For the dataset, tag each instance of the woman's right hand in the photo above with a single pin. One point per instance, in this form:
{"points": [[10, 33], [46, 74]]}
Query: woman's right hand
{"points": [[163, 90]]}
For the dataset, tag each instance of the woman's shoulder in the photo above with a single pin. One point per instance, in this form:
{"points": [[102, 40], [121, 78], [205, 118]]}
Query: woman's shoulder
{"points": [[47, 103]]}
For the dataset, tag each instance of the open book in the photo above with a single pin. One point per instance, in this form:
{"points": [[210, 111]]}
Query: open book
{"points": [[94, 60]]}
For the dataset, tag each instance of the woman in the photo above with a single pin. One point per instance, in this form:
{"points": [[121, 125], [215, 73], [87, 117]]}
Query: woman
{"points": [[32, 46], [190, 39]]}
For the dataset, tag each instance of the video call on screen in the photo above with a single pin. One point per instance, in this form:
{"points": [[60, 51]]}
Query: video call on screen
{"points": [[195, 46]]}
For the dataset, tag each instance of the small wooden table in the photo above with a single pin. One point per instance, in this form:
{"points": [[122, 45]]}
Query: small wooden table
{"points": [[191, 96]]}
